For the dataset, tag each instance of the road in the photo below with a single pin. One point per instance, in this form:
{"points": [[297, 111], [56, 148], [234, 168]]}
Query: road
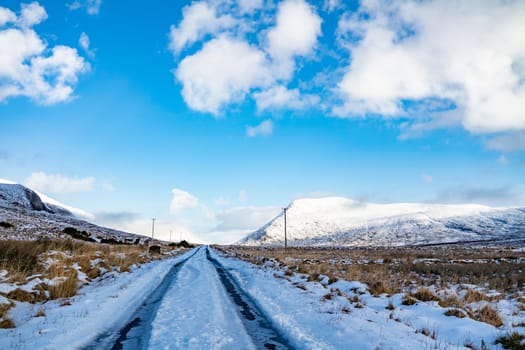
{"points": [[198, 305]]}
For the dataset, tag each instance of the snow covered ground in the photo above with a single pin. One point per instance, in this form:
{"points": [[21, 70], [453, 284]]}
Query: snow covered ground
{"points": [[97, 308], [197, 312], [314, 316]]}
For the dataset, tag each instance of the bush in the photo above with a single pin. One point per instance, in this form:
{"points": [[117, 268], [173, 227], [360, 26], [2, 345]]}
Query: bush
{"points": [[82, 235], [5, 224], [154, 249]]}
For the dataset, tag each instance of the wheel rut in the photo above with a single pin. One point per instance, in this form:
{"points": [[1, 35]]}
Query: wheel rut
{"points": [[137, 330], [260, 329]]}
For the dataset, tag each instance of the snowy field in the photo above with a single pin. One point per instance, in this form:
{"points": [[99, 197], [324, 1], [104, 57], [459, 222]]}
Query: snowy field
{"points": [[197, 312]]}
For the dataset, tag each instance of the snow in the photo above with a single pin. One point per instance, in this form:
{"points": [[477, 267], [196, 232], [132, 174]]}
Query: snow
{"points": [[97, 308], [312, 323], [344, 221], [75, 211], [197, 313]]}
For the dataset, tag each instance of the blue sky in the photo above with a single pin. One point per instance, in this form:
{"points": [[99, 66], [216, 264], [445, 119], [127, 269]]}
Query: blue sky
{"points": [[211, 115]]}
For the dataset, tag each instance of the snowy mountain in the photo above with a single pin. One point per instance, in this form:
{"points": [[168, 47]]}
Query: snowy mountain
{"points": [[346, 222], [28, 214], [16, 195]]}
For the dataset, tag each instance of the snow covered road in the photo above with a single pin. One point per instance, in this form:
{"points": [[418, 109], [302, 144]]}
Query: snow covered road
{"points": [[197, 305], [202, 311]]}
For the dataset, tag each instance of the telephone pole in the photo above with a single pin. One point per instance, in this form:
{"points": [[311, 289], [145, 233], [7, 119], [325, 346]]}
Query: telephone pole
{"points": [[152, 227], [285, 237]]}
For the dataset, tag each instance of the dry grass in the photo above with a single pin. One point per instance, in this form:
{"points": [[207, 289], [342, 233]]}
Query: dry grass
{"points": [[512, 341], [497, 268], [456, 313], [24, 260], [488, 315], [410, 270], [5, 322], [425, 294]]}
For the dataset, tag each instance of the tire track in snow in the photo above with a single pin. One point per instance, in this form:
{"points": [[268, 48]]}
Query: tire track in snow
{"points": [[260, 329], [136, 333]]}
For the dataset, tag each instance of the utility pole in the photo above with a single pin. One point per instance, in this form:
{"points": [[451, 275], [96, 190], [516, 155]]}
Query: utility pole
{"points": [[285, 238], [152, 227]]}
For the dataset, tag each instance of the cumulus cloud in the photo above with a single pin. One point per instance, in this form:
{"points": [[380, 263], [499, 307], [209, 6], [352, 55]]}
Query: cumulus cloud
{"points": [[182, 200], [232, 64], [57, 183], [463, 52], [295, 34], [225, 70], [199, 19], [265, 128], [28, 67]]}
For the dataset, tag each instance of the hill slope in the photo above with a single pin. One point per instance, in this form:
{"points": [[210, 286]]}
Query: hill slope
{"points": [[26, 214], [345, 222]]}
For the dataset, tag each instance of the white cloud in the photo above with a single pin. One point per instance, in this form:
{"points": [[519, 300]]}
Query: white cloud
{"points": [[29, 68], [6, 16], [265, 128], [57, 183], [233, 64], [199, 19], [331, 5], [31, 15], [92, 6], [249, 6], [224, 71], [182, 200], [503, 160], [279, 97], [295, 34], [85, 43], [465, 52]]}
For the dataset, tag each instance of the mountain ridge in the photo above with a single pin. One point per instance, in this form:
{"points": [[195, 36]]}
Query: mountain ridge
{"points": [[347, 222]]}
